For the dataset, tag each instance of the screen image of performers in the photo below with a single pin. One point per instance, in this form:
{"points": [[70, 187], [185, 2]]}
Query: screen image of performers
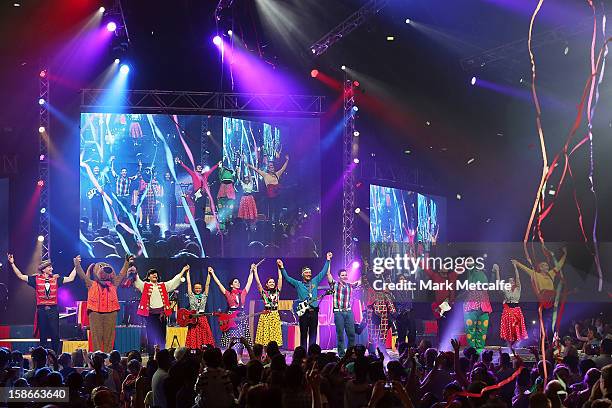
{"points": [[271, 178], [45, 284], [476, 309], [343, 314], [543, 281], [403, 319], [269, 324], [154, 304], [307, 291], [235, 298], [102, 301], [198, 334], [512, 327], [96, 197]]}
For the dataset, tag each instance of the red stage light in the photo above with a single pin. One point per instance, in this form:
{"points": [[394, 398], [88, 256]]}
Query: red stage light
{"points": [[356, 83], [43, 73], [40, 183], [314, 73]]}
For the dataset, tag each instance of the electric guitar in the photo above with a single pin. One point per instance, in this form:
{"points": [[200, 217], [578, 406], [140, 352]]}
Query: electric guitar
{"points": [[305, 305], [229, 321], [186, 317]]}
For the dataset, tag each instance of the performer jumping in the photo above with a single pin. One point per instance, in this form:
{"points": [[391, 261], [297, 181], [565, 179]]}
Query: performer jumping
{"points": [[236, 298], [343, 314], [512, 327], [269, 325], [307, 290], [200, 333], [102, 300], [154, 304], [271, 179], [45, 284], [476, 311]]}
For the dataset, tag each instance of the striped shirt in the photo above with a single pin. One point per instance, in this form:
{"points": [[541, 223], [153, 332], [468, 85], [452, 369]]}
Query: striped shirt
{"points": [[122, 187], [342, 295]]}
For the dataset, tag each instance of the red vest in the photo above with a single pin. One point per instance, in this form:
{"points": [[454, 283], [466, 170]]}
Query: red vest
{"points": [[46, 295], [145, 300], [102, 299]]}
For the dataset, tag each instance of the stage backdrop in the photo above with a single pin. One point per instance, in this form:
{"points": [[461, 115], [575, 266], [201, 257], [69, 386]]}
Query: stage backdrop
{"points": [[207, 186]]}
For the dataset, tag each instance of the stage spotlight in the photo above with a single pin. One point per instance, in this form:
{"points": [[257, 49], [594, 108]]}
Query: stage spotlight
{"points": [[355, 108], [458, 196], [356, 264], [230, 32], [552, 192], [357, 210], [16, 5], [314, 73], [124, 69], [117, 61], [473, 81], [41, 238], [41, 129], [101, 9], [208, 133], [43, 210], [111, 26], [356, 133], [41, 101], [217, 40], [356, 160], [313, 50], [356, 83], [41, 157], [566, 50], [40, 183], [408, 21], [43, 73], [407, 151], [390, 38], [343, 67], [355, 239]]}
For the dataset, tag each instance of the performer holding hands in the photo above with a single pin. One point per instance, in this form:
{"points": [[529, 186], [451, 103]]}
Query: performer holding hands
{"points": [[200, 333], [269, 325]]}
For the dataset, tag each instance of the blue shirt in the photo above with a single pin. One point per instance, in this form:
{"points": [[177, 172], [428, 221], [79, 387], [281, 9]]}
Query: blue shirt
{"points": [[307, 290]]}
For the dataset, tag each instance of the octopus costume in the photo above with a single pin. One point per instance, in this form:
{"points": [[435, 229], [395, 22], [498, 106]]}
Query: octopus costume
{"points": [[476, 311]]}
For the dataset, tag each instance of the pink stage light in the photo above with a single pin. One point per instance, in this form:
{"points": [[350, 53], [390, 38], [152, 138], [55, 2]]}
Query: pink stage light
{"points": [[40, 183], [111, 26], [355, 264], [43, 73], [314, 73], [217, 40]]}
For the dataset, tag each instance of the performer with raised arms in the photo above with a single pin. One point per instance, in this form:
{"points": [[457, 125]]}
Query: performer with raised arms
{"points": [[200, 333], [46, 284], [154, 304], [512, 327], [343, 314], [269, 325], [307, 291]]}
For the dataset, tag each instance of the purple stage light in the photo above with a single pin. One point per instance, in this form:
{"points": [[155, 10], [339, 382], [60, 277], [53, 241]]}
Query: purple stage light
{"points": [[111, 26], [355, 264], [217, 40]]}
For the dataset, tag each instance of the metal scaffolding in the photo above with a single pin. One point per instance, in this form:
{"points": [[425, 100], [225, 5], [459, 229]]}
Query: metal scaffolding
{"points": [[44, 224], [152, 101], [348, 176], [347, 26]]}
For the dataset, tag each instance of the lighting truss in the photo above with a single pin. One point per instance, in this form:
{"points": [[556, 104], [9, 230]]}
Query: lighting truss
{"points": [[514, 56], [122, 34], [44, 224], [152, 101], [348, 176], [347, 26]]}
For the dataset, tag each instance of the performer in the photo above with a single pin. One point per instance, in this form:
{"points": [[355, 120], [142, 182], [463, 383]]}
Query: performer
{"points": [[200, 333], [443, 298], [95, 194], [543, 280], [404, 322], [122, 185], [226, 196], [102, 300], [476, 311], [154, 304], [45, 284], [235, 302], [379, 305], [512, 327], [343, 314], [200, 189], [169, 200], [272, 180], [307, 290], [269, 325], [248, 208]]}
